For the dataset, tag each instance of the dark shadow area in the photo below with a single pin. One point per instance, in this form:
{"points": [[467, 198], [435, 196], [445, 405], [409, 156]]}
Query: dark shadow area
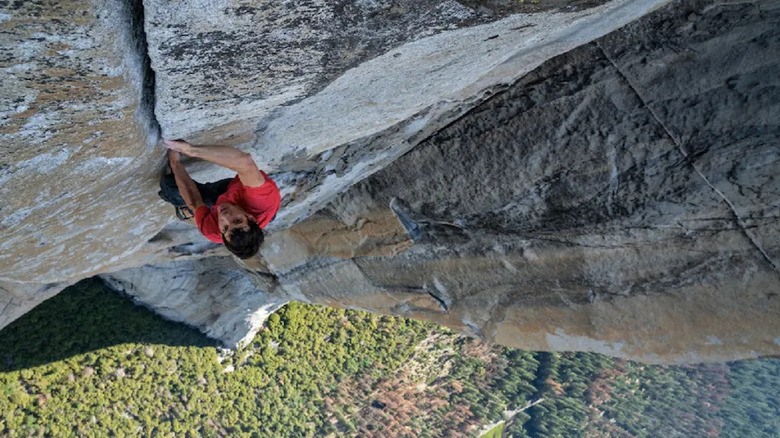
{"points": [[85, 317]]}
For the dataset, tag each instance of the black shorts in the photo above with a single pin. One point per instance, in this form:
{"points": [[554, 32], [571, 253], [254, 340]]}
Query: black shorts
{"points": [[169, 191]]}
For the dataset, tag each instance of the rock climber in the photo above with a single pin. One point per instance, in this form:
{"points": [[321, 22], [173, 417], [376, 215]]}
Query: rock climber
{"points": [[232, 211]]}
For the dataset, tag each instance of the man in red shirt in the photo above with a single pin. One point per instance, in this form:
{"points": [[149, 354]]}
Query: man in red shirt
{"points": [[231, 211]]}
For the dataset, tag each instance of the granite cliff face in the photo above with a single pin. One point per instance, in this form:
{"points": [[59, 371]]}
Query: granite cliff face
{"points": [[596, 177]]}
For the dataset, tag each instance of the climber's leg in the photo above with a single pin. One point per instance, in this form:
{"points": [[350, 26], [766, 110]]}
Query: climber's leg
{"points": [[169, 192]]}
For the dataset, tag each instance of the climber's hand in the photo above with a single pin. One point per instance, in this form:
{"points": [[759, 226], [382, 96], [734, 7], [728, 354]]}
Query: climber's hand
{"points": [[178, 146]]}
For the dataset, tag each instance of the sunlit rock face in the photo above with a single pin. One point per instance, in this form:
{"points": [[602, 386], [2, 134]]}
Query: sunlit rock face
{"points": [[597, 178], [77, 168], [219, 297]]}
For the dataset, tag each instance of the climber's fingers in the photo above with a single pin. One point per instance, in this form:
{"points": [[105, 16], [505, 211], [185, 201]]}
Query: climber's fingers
{"points": [[177, 145]]}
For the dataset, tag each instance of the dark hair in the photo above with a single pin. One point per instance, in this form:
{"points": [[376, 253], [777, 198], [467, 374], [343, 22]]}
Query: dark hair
{"points": [[245, 243]]}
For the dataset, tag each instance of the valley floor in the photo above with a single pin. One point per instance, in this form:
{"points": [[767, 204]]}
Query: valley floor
{"points": [[90, 363]]}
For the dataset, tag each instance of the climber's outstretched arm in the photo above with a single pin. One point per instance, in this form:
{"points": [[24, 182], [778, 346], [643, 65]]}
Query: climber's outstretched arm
{"points": [[189, 191], [225, 156]]}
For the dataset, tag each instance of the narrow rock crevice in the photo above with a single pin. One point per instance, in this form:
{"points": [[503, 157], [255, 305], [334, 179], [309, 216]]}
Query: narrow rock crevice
{"points": [[642, 99], [140, 65], [738, 220]]}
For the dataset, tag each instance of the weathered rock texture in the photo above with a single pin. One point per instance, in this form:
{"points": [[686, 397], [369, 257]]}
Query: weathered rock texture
{"points": [[77, 167], [531, 179], [274, 79], [218, 297], [607, 202]]}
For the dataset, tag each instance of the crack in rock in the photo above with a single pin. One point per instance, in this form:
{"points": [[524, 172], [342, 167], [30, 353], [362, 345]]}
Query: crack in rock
{"points": [[690, 160]]}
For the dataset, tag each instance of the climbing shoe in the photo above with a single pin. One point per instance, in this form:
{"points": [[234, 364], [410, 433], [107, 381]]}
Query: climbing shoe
{"points": [[184, 213]]}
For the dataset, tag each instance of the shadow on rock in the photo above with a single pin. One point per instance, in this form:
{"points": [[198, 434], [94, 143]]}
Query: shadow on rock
{"points": [[86, 317]]}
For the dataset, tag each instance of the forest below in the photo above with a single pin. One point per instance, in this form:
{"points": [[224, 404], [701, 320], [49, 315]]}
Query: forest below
{"points": [[89, 362]]}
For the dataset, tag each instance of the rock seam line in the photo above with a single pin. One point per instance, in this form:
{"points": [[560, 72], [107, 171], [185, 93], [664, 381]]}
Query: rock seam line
{"points": [[139, 44], [738, 220], [441, 302]]}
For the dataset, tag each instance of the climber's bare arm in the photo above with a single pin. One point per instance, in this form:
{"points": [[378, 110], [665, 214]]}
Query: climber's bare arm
{"points": [[189, 191], [225, 156]]}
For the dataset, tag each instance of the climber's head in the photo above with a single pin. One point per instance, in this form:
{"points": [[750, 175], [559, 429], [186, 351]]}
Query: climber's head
{"points": [[240, 233]]}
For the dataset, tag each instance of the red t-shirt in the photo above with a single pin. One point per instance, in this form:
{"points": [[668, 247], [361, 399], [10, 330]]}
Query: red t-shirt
{"points": [[261, 202]]}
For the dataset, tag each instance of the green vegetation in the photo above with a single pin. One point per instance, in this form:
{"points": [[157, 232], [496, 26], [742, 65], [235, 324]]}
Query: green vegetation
{"points": [[494, 432], [752, 407], [122, 371], [90, 363]]}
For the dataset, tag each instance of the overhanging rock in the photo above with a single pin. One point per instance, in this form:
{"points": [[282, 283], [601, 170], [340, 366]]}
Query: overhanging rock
{"points": [[217, 296], [621, 198], [279, 80]]}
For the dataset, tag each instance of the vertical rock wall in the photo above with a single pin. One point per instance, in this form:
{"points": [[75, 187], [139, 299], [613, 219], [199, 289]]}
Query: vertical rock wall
{"points": [[77, 166], [436, 160]]}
